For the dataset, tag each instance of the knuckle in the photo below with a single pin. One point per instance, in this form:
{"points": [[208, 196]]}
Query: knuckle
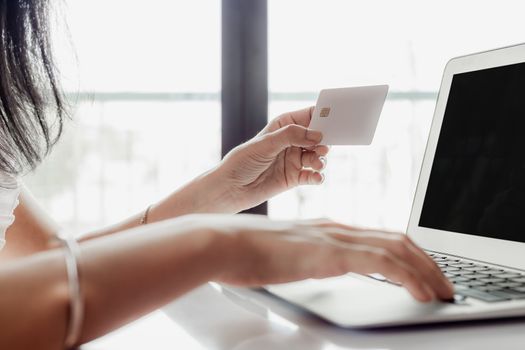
{"points": [[294, 130], [273, 139], [368, 255], [399, 242], [326, 221], [313, 156], [322, 222], [403, 239], [401, 246], [382, 257], [287, 135], [343, 264], [288, 129]]}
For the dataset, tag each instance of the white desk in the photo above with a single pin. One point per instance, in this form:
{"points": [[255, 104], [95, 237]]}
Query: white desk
{"points": [[207, 319]]}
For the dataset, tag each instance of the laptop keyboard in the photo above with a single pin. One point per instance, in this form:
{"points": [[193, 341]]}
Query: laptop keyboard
{"points": [[480, 281]]}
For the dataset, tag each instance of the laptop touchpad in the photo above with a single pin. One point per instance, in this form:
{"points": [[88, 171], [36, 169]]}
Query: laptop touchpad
{"points": [[354, 301]]}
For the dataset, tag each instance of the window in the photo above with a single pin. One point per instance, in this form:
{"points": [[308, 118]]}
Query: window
{"points": [[147, 81], [314, 44], [144, 83]]}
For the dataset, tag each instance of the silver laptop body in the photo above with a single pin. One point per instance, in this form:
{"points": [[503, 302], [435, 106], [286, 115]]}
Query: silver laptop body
{"points": [[468, 211]]}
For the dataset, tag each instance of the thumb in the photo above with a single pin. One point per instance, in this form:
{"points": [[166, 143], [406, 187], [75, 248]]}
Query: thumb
{"points": [[291, 135]]}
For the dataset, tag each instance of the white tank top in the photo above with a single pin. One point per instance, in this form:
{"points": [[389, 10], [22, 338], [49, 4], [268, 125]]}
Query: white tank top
{"points": [[9, 191]]}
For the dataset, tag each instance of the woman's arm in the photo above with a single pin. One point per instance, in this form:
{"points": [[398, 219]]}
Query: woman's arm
{"points": [[129, 274], [283, 155], [33, 230], [205, 194], [123, 276]]}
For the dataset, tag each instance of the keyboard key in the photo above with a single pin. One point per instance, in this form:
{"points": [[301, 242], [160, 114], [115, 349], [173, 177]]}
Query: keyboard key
{"points": [[451, 268], [461, 264], [490, 288], [492, 280], [492, 272], [519, 289], [460, 287], [458, 279], [476, 276], [510, 284], [519, 279], [440, 258], [510, 275], [477, 268], [484, 296], [508, 293], [475, 284]]}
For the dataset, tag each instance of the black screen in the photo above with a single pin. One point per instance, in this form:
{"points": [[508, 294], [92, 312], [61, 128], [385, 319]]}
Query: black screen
{"points": [[477, 181]]}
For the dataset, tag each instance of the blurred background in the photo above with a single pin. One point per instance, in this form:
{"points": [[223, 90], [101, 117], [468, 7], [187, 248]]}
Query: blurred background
{"points": [[144, 81]]}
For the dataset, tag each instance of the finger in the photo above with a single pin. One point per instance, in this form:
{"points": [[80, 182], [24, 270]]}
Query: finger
{"points": [[313, 160], [401, 245], [366, 260], [426, 268], [309, 177], [300, 117], [291, 135], [324, 222], [396, 270], [430, 262], [322, 150], [403, 249]]}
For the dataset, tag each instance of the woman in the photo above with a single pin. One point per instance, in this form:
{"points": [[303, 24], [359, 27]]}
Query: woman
{"points": [[173, 246]]}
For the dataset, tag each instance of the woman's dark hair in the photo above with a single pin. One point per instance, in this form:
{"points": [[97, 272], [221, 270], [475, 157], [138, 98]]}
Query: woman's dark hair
{"points": [[29, 88]]}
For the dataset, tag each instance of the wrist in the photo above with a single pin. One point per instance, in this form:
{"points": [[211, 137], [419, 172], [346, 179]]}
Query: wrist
{"points": [[229, 251], [206, 194], [217, 194]]}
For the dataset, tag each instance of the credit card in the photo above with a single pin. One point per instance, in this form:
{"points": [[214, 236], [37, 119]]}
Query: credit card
{"points": [[348, 116]]}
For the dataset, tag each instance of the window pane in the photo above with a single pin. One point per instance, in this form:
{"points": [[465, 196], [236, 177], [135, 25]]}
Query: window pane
{"points": [[316, 44], [146, 110], [133, 45]]}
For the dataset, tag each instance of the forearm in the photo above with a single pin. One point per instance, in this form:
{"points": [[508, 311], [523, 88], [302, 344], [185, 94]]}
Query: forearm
{"points": [[123, 277], [206, 194]]}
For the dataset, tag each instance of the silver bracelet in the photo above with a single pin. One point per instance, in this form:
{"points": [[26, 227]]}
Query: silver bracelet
{"points": [[76, 302], [144, 218]]}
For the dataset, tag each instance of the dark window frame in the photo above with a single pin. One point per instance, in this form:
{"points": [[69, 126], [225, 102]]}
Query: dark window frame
{"points": [[244, 93]]}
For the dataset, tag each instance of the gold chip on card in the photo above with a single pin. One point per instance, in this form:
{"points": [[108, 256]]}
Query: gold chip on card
{"points": [[324, 112]]}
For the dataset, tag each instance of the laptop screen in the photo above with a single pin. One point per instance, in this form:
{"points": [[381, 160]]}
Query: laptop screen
{"points": [[477, 180]]}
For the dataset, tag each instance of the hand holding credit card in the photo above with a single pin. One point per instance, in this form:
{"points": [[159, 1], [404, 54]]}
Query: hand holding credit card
{"points": [[348, 116]]}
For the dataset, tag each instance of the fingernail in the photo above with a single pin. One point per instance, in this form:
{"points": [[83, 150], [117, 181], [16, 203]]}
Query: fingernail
{"points": [[313, 135], [323, 160], [322, 178]]}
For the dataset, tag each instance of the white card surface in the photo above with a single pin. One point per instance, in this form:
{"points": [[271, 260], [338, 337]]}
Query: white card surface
{"points": [[348, 116]]}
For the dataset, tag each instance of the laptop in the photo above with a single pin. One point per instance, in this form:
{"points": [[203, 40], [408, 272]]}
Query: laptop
{"points": [[468, 212]]}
